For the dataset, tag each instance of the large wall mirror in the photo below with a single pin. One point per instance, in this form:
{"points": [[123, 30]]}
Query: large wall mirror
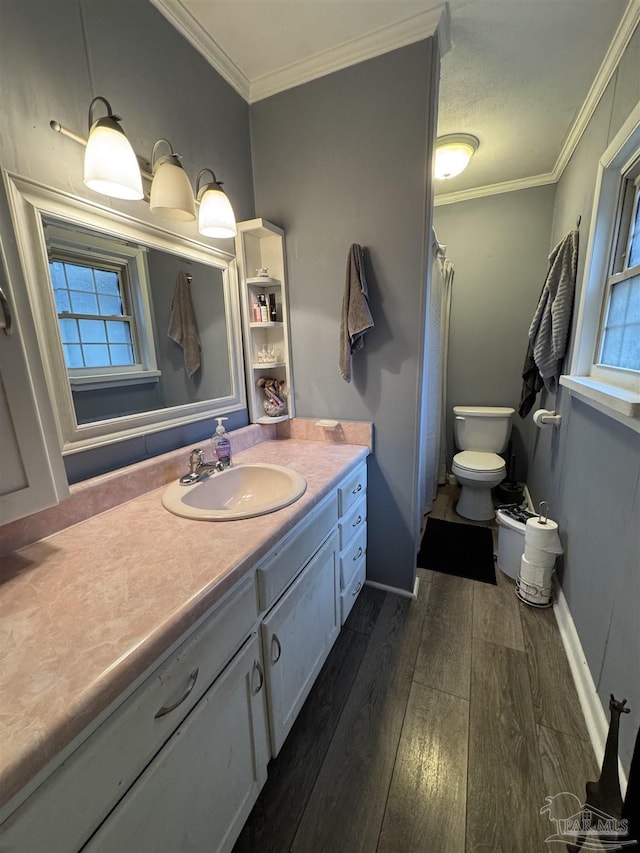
{"points": [[109, 296]]}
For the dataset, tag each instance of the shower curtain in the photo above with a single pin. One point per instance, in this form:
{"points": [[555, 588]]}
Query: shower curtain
{"points": [[434, 396]]}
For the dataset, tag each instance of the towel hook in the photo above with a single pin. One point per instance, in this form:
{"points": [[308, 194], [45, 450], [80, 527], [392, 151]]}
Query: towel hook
{"points": [[543, 512], [189, 277], [578, 221]]}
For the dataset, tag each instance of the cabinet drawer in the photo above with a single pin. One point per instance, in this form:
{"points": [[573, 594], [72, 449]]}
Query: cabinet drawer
{"points": [[348, 596], [351, 556], [284, 563], [352, 489], [351, 523], [63, 812]]}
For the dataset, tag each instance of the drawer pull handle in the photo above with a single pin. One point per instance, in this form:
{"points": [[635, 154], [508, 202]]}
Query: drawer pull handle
{"points": [[359, 554], [256, 666], [166, 709], [357, 589], [276, 649], [357, 521], [359, 489]]}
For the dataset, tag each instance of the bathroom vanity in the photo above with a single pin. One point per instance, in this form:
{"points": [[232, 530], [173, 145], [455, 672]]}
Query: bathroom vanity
{"points": [[162, 739]]}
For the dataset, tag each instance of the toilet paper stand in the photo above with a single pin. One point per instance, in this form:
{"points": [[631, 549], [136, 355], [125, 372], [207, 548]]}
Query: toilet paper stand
{"points": [[536, 595]]}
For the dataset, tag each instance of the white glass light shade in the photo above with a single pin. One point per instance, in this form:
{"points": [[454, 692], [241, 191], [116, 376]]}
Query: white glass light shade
{"points": [[216, 218], [453, 153], [110, 164], [171, 193]]}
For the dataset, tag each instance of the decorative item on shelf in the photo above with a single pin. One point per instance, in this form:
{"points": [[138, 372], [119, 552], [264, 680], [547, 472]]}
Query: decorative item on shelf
{"points": [[264, 312], [263, 272], [275, 394], [273, 311], [268, 355]]}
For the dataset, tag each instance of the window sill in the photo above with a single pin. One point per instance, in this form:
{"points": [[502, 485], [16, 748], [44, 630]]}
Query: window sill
{"points": [[114, 380], [619, 404]]}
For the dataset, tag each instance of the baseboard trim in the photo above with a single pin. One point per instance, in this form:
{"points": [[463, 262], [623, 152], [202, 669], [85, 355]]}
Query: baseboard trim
{"points": [[396, 590], [594, 714]]}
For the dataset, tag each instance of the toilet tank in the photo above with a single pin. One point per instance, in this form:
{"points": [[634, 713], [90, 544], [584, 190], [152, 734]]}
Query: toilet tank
{"points": [[482, 427]]}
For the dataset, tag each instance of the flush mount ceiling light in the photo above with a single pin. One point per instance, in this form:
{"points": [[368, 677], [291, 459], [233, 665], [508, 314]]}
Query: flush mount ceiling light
{"points": [[453, 153], [171, 193], [110, 163], [216, 217]]}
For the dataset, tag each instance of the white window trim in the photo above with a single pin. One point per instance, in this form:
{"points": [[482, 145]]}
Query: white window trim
{"points": [[614, 392], [97, 247]]}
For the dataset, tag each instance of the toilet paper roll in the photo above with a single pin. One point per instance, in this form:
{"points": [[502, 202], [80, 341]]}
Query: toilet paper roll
{"points": [[539, 419], [534, 574], [542, 535], [538, 557]]}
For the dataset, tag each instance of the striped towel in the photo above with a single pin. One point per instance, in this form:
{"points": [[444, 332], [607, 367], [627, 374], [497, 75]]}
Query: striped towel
{"points": [[550, 325]]}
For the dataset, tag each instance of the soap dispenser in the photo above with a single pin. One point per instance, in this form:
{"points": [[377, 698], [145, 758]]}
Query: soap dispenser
{"points": [[221, 444]]}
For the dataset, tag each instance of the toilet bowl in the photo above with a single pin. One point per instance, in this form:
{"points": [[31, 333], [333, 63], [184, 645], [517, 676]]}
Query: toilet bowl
{"points": [[481, 433], [478, 473]]}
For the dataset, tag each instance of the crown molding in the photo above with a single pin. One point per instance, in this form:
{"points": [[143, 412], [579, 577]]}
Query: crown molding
{"points": [[183, 21], [417, 27], [495, 189], [621, 38], [612, 58]]}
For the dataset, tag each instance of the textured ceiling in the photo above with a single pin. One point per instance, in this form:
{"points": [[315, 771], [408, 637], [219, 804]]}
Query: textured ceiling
{"points": [[516, 76]]}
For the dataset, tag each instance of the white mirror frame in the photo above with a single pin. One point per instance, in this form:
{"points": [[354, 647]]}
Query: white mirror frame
{"points": [[28, 202]]}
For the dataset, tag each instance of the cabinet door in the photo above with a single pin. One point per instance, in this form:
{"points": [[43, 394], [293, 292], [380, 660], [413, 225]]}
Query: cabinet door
{"points": [[297, 635], [198, 791], [32, 475]]}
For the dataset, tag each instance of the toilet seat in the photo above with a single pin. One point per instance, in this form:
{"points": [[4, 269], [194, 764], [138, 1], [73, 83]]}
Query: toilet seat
{"points": [[479, 461]]}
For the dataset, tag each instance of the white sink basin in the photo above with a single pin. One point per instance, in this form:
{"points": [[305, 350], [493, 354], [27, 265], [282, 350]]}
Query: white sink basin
{"points": [[242, 491]]}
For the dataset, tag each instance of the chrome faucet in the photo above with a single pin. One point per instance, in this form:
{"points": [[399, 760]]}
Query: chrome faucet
{"points": [[198, 468]]}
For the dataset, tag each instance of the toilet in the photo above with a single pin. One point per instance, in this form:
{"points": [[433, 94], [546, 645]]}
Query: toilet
{"points": [[481, 432]]}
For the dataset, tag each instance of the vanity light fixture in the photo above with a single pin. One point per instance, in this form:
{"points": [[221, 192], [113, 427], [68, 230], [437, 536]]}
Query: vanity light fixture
{"points": [[111, 168], [171, 193], [216, 217], [453, 153], [110, 163]]}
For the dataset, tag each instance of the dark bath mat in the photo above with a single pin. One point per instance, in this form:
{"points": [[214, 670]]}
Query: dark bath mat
{"points": [[458, 549]]}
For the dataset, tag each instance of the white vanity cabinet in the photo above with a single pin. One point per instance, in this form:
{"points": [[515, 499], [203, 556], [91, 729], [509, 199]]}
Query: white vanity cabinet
{"points": [[199, 790], [297, 636], [306, 589], [190, 742], [352, 526], [178, 762]]}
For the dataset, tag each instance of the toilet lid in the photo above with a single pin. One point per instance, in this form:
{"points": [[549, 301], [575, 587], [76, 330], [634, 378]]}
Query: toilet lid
{"points": [[477, 460]]}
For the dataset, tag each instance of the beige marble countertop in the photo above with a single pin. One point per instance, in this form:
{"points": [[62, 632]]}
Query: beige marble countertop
{"points": [[85, 612]]}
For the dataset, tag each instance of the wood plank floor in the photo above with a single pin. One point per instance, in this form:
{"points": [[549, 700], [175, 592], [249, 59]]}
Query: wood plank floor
{"points": [[436, 726]]}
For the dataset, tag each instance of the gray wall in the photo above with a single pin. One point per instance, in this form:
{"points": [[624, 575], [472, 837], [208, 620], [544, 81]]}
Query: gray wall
{"points": [[343, 160], [498, 246], [55, 55], [589, 470]]}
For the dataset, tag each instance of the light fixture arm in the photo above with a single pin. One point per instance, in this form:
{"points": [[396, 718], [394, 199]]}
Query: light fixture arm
{"points": [[109, 120], [171, 157], [215, 184]]}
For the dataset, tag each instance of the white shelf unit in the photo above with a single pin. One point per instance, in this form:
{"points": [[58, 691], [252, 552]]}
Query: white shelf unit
{"points": [[260, 245]]}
